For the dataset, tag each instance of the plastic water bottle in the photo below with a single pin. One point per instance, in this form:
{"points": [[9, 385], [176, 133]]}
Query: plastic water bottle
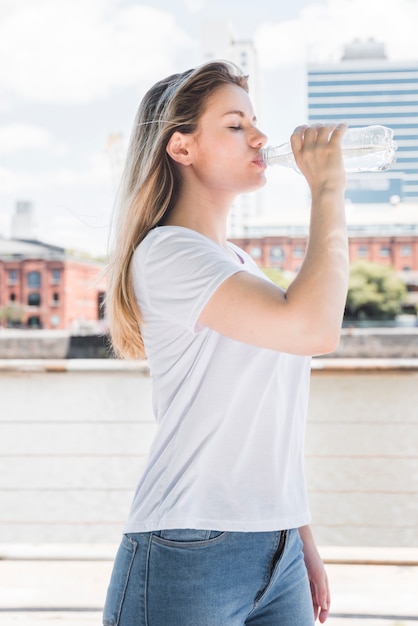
{"points": [[365, 149]]}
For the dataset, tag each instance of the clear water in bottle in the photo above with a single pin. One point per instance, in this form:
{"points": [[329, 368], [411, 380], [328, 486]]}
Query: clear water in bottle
{"points": [[365, 149]]}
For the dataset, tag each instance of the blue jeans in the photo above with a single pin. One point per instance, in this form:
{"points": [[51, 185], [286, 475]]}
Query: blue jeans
{"points": [[209, 578]]}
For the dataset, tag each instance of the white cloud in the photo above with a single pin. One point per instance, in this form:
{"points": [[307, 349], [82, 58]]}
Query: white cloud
{"points": [[194, 6], [321, 31], [74, 51], [70, 232], [96, 175], [17, 137], [14, 183], [4, 224]]}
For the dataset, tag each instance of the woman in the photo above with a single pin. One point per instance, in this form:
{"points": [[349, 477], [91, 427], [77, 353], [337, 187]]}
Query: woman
{"points": [[218, 531]]}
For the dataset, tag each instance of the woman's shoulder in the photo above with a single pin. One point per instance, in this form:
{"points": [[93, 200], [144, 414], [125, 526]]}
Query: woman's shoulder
{"points": [[174, 240], [173, 234]]}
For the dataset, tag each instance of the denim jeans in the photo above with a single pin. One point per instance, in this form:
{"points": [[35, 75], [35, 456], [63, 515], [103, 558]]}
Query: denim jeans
{"points": [[209, 578]]}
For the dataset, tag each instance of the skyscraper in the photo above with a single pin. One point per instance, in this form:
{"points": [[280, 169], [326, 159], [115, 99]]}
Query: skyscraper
{"points": [[23, 224], [366, 88]]}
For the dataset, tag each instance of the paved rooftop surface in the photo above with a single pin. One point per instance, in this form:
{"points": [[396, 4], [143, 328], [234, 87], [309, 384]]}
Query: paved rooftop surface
{"points": [[65, 585]]}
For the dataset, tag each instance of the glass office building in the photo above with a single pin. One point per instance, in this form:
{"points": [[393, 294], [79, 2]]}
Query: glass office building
{"points": [[365, 88]]}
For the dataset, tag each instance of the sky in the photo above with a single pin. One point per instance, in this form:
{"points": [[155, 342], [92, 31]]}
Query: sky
{"points": [[72, 73]]}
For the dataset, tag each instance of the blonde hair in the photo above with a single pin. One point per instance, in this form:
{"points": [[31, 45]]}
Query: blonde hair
{"points": [[150, 184]]}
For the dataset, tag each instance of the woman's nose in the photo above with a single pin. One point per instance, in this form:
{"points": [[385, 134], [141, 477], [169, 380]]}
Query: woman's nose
{"points": [[259, 139]]}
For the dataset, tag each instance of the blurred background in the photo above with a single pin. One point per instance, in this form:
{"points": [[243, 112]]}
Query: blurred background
{"points": [[72, 75], [75, 423]]}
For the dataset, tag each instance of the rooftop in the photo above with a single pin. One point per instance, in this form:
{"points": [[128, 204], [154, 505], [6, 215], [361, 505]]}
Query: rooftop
{"points": [[364, 219], [17, 249], [29, 248]]}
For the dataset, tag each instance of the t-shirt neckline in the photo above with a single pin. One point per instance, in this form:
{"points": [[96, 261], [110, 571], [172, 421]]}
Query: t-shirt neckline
{"points": [[231, 252]]}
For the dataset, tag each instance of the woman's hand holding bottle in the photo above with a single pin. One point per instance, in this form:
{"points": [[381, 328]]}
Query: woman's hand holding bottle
{"points": [[318, 154]]}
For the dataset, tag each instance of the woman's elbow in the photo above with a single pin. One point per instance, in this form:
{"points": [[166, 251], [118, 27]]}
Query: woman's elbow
{"points": [[313, 342], [327, 341]]}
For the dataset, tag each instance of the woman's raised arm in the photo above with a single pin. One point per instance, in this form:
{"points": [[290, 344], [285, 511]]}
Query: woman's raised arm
{"points": [[306, 319]]}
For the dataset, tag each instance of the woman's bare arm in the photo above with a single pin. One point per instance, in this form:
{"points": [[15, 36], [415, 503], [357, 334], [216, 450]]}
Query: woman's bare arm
{"points": [[307, 318]]}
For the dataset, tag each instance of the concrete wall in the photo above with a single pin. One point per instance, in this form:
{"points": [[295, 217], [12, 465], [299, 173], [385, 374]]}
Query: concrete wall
{"points": [[355, 343], [74, 436], [44, 344], [381, 343], [362, 456], [72, 445], [34, 344]]}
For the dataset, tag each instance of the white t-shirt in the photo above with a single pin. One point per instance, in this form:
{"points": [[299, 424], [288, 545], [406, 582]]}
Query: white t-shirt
{"points": [[229, 449]]}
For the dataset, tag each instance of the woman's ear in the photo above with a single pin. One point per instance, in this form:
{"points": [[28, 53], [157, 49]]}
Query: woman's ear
{"points": [[178, 148]]}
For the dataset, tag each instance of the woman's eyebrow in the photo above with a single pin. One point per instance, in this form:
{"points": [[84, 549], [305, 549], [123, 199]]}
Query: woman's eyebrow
{"points": [[240, 113]]}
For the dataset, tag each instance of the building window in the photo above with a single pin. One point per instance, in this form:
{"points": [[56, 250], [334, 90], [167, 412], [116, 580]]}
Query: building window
{"points": [[34, 322], [34, 299], [362, 251], [56, 277], [55, 320], [12, 297], [406, 250], [384, 251], [13, 277], [101, 296], [276, 255], [34, 280], [55, 299], [255, 252], [298, 252]]}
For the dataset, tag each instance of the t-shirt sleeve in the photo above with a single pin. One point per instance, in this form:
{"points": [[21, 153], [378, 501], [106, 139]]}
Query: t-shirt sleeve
{"points": [[175, 274]]}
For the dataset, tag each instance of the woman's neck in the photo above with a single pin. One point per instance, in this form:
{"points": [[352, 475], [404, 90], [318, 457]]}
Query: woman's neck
{"points": [[201, 213]]}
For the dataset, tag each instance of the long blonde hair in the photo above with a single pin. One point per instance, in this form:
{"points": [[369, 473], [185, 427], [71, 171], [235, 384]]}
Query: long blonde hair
{"points": [[150, 184]]}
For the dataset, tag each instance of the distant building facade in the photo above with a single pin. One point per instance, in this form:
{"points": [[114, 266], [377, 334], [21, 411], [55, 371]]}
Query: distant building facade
{"points": [[286, 252], [387, 245], [366, 88], [23, 221], [43, 287]]}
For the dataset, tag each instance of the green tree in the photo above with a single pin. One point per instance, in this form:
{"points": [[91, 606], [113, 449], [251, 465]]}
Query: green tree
{"points": [[11, 314], [375, 292], [277, 276]]}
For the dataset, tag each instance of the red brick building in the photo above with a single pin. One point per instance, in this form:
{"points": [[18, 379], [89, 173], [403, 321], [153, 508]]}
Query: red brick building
{"points": [[287, 252], [46, 288], [400, 251]]}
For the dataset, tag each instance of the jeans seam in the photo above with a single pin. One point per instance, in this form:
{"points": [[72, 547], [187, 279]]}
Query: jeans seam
{"points": [[146, 579], [280, 551], [274, 561], [134, 546], [191, 544]]}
